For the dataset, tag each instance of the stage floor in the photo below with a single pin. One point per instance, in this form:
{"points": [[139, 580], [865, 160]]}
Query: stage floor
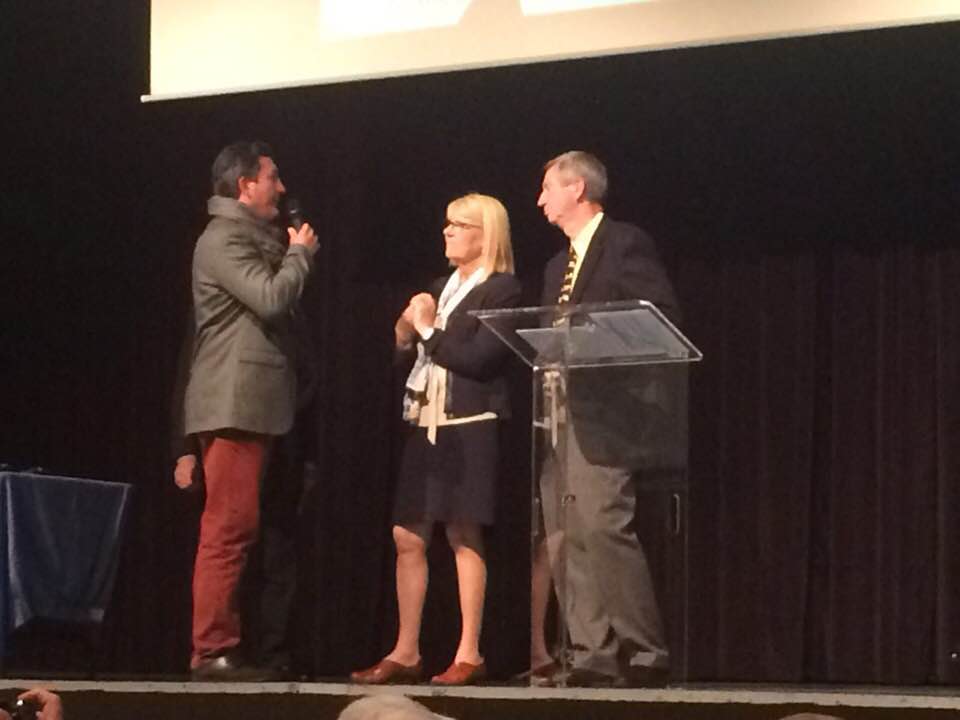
{"points": [[316, 700]]}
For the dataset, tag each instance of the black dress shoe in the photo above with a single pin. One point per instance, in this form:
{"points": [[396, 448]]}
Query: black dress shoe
{"points": [[228, 668]]}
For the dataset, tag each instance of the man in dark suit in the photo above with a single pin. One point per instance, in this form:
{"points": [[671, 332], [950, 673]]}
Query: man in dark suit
{"points": [[242, 387], [610, 433]]}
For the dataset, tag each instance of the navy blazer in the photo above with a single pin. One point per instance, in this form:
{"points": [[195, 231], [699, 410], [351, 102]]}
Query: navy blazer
{"points": [[473, 356], [622, 263], [635, 416]]}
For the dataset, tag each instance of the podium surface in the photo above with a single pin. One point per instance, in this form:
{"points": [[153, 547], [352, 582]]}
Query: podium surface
{"points": [[631, 332]]}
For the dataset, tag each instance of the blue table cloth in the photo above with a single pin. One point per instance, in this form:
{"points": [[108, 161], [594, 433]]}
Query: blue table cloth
{"points": [[59, 548]]}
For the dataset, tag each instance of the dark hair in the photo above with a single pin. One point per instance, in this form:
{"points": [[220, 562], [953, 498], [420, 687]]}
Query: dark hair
{"points": [[240, 159]]}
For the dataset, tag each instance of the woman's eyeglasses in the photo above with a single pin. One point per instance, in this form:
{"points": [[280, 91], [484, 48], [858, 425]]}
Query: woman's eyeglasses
{"points": [[459, 225]]}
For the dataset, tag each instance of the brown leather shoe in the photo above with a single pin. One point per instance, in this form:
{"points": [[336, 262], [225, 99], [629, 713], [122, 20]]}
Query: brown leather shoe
{"points": [[388, 671], [461, 674]]}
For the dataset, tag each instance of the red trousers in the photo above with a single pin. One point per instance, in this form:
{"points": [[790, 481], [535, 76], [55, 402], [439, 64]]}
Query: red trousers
{"points": [[232, 468]]}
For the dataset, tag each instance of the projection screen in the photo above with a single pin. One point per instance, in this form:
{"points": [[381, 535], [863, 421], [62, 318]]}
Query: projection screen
{"points": [[208, 47]]}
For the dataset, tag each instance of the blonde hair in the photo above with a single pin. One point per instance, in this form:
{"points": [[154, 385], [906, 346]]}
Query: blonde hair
{"points": [[490, 214]]}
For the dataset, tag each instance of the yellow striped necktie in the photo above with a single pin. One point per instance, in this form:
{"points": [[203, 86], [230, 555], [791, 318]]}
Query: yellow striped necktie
{"points": [[567, 286]]}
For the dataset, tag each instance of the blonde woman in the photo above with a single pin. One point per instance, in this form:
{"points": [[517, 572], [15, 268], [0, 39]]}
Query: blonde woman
{"points": [[455, 399]]}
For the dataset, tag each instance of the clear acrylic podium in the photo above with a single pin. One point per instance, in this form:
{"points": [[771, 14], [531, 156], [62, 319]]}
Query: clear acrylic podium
{"points": [[609, 390]]}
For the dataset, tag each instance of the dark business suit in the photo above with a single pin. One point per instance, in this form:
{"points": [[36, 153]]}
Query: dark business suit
{"points": [[615, 419], [621, 264]]}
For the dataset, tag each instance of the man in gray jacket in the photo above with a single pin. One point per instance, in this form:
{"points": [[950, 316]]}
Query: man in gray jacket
{"points": [[242, 387]]}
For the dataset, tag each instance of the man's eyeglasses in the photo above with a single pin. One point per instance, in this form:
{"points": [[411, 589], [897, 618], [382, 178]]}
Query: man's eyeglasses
{"points": [[460, 225]]}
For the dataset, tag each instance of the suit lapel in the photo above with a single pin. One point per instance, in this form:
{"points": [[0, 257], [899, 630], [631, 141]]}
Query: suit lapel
{"points": [[553, 278], [589, 265]]}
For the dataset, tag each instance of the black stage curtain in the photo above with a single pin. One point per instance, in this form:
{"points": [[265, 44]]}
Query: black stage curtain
{"points": [[804, 193]]}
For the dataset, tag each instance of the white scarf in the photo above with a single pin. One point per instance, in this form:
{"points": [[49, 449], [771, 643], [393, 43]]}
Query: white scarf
{"points": [[453, 293]]}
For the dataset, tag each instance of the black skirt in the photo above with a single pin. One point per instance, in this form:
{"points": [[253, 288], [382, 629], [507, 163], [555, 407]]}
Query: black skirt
{"points": [[452, 481]]}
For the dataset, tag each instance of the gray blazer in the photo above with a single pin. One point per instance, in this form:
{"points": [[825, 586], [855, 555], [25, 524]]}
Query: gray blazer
{"points": [[246, 284]]}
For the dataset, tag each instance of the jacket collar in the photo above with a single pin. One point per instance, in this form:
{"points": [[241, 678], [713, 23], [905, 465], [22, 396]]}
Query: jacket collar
{"points": [[267, 236], [232, 209]]}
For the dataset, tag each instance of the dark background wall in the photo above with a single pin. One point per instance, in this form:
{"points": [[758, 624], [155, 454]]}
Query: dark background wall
{"points": [[804, 193]]}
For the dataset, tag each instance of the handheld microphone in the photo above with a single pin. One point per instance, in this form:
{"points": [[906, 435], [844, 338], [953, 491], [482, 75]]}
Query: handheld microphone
{"points": [[295, 213]]}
